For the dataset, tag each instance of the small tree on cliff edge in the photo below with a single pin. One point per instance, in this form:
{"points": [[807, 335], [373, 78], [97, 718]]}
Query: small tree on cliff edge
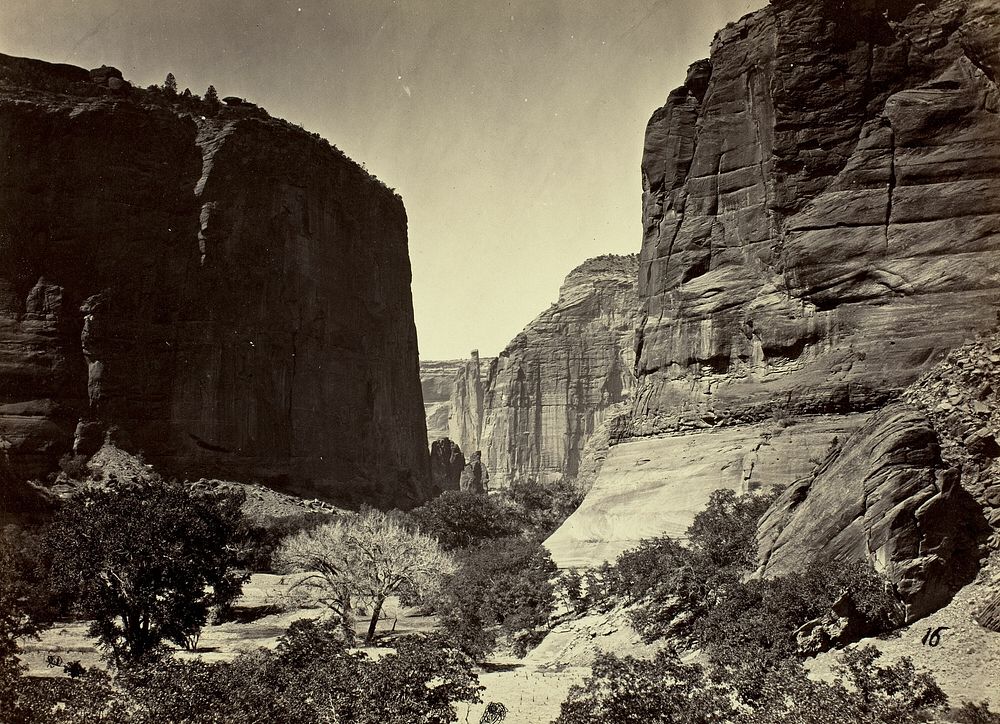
{"points": [[369, 557], [170, 84], [212, 96]]}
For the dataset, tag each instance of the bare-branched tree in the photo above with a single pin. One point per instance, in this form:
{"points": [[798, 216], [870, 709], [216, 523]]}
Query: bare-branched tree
{"points": [[367, 557]]}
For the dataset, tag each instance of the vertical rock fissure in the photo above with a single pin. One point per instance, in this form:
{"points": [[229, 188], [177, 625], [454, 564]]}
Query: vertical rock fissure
{"points": [[755, 118], [892, 185]]}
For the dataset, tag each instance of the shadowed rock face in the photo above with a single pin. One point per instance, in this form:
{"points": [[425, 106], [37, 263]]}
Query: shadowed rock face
{"points": [[555, 383], [230, 295], [447, 465], [821, 211]]}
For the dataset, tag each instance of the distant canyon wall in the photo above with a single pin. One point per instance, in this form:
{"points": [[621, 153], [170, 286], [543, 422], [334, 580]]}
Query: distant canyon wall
{"points": [[228, 295], [437, 378], [532, 410]]}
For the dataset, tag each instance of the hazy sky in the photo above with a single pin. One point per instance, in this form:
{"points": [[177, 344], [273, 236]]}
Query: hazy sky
{"points": [[512, 129]]}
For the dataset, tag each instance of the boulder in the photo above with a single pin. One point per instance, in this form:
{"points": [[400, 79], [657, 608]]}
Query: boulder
{"points": [[105, 75], [842, 624], [885, 496]]}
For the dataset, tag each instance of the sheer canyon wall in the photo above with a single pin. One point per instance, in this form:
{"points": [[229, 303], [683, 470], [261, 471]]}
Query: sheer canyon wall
{"points": [[821, 211], [228, 294]]}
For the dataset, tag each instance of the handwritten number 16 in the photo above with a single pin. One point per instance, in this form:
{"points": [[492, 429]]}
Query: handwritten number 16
{"points": [[933, 636]]}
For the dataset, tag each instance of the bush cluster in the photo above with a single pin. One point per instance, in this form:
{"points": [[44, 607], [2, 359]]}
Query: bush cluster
{"points": [[311, 677], [703, 592], [625, 689], [502, 593]]}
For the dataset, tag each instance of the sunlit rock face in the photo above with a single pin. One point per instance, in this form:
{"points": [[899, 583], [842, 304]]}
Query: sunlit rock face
{"points": [[465, 411], [915, 491], [821, 211], [437, 378], [533, 408], [888, 498], [654, 486], [230, 296]]}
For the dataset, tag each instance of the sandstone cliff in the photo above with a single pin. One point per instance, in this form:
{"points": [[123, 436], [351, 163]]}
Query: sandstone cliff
{"points": [[556, 382], [886, 497], [465, 404], [915, 491], [821, 205], [229, 295], [821, 224]]}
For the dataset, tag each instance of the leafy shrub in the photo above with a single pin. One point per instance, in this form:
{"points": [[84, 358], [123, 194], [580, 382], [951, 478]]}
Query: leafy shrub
{"points": [[93, 698], [861, 692], [544, 506], [74, 466], [261, 540], [461, 519], [634, 690], [671, 579], [138, 558], [970, 713], [25, 604], [500, 591], [751, 629], [725, 532], [665, 690]]}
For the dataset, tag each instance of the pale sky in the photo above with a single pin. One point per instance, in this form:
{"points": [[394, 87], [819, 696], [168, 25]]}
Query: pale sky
{"points": [[513, 130]]}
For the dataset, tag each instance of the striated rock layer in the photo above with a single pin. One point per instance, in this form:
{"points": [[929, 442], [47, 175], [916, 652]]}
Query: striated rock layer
{"points": [[821, 216], [557, 381], [230, 296], [465, 404], [821, 207], [916, 491]]}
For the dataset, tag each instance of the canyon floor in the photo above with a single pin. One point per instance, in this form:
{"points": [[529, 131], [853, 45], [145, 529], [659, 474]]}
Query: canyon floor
{"points": [[966, 663]]}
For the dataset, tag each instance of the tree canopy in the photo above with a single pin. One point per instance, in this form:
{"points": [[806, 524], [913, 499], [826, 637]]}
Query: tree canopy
{"points": [[460, 519], [501, 591], [147, 560], [366, 557]]}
